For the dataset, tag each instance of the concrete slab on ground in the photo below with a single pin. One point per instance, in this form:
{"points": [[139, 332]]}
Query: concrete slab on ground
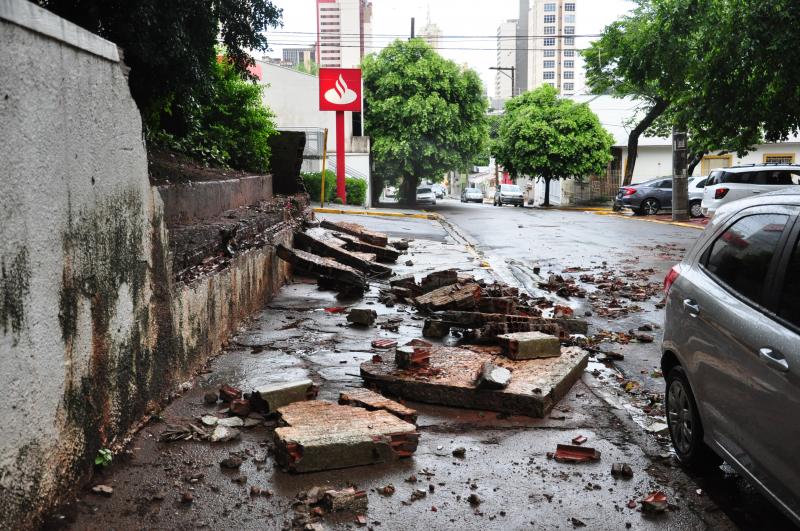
{"points": [[536, 385]]}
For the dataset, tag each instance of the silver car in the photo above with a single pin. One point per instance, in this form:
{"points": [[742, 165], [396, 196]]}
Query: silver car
{"points": [[426, 196], [731, 351]]}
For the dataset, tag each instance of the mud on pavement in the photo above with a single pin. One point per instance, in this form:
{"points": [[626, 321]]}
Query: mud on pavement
{"points": [[472, 469]]}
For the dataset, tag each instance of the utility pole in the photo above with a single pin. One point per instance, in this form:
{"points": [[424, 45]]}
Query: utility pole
{"points": [[412, 28], [680, 179], [502, 69]]}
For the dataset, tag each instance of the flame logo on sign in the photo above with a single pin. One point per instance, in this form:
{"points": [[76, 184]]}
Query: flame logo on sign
{"points": [[341, 94]]}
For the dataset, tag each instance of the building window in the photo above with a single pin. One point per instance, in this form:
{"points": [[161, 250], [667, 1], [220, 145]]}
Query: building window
{"points": [[569, 64], [778, 158], [569, 53], [569, 74], [569, 19], [569, 86], [549, 30], [569, 6], [569, 41], [548, 75], [549, 53], [549, 64], [550, 41], [551, 8], [551, 84], [549, 19], [569, 30]]}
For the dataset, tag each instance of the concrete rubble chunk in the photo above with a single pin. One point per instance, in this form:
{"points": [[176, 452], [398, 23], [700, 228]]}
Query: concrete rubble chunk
{"points": [[320, 435], [487, 326], [348, 499], [409, 356], [270, 398], [374, 401], [435, 329], [209, 420], [452, 297], [400, 245], [231, 422], [103, 490], [529, 345], [449, 379], [354, 229], [327, 268], [224, 434], [319, 245], [621, 470], [362, 316], [492, 376], [382, 254], [438, 279], [506, 305]]}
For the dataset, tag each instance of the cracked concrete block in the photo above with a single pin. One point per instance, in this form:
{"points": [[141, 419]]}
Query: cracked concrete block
{"points": [[354, 229], [374, 401], [529, 345], [323, 267], [382, 254], [449, 379], [321, 243], [320, 435], [492, 376], [278, 395], [439, 279], [435, 329], [453, 297]]}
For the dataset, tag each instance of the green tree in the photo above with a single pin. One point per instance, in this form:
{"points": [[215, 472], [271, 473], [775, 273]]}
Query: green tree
{"points": [[170, 48], [424, 113], [545, 136]]}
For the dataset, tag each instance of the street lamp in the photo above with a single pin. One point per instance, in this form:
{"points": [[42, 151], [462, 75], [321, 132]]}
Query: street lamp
{"points": [[502, 69]]}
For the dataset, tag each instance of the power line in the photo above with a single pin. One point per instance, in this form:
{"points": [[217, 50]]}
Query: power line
{"points": [[398, 36], [337, 45]]}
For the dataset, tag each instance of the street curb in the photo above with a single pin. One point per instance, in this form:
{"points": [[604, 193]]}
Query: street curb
{"points": [[426, 215], [675, 223]]}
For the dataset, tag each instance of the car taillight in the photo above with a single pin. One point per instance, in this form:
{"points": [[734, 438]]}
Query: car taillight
{"points": [[719, 193], [671, 277], [629, 191]]}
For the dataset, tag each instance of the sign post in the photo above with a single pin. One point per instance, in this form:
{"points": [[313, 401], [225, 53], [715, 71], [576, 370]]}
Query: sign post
{"points": [[340, 90]]}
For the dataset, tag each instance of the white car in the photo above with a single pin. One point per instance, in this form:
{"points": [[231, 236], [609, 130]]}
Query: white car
{"points": [[426, 196], [729, 184]]}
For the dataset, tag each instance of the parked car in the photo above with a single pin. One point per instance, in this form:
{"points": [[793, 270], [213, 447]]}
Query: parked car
{"points": [[651, 197], [425, 196], [439, 190], [390, 192], [469, 195], [729, 184], [731, 348], [508, 194]]}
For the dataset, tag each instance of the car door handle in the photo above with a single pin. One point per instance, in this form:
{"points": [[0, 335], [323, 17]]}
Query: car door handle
{"points": [[773, 359], [692, 307]]}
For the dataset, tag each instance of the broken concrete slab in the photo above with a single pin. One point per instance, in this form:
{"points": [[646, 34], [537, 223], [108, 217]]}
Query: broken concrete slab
{"points": [[320, 435], [323, 267], [452, 297], [271, 397], [505, 305], [438, 279], [374, 401], [362, 316], [434, 328], [449, 379], [316, 243], [492, 376], [529, 345], [382, 254], [354, 229]]}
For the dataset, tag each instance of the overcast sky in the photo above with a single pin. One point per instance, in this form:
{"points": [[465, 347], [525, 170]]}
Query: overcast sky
{"points": [[475, 18]]}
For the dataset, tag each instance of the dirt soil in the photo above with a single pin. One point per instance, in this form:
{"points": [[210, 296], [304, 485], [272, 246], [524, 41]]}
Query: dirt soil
{"points": [[168, 167]]}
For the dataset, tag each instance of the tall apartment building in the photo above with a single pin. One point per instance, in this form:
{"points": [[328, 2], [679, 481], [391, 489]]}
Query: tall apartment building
{"points": [[521, 77], [506, 58], [344, 32], [552, 56]]}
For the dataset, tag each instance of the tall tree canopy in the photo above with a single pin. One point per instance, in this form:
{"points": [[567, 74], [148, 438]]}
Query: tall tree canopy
{"points": [[545, 136], [424, 113], [170, 47]]}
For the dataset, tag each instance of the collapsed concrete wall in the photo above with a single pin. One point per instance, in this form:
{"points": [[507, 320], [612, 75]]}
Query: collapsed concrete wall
{"points": [[94, 330]]}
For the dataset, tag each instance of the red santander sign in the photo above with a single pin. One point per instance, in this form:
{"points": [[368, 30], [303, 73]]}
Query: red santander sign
{"points": [[340, 89]]}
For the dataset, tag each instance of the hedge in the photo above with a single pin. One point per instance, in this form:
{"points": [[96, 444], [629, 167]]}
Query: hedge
{"points": [[356, 189]]}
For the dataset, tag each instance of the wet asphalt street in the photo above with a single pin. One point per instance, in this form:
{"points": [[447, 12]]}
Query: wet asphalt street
{"points": [[505, 462]]}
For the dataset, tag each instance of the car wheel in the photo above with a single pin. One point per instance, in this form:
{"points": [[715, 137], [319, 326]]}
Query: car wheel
{"points": [[696, 209], [685, 427], [650, 207]]}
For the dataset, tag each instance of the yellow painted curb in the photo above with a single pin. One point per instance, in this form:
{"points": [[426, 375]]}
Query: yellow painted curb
{"points": [[675, 223], [425, 215]]}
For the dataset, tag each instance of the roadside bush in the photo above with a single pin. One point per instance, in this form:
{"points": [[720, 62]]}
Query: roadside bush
{"points": [[356, 189], [226, 125]]}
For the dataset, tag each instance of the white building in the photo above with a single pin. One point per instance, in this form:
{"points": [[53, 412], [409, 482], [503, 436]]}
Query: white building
{"points": [[344, 32], [293, 97], [552, 52], [506, 58]]}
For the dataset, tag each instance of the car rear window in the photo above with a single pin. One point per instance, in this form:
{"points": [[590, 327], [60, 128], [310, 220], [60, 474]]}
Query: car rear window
{"points": [[760, 177], [741, 256], [423, 190], [509, 188]]}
